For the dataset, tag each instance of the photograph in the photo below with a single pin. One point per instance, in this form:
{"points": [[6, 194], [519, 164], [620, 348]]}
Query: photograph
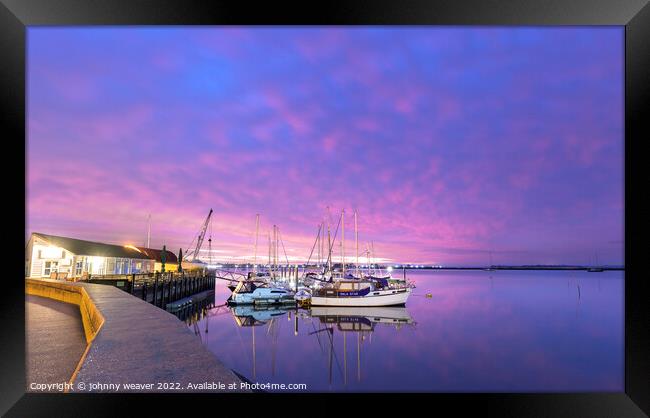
{"points": [[325, 209]]}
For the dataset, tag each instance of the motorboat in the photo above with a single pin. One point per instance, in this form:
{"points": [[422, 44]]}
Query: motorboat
{"points": [[250, 293]]}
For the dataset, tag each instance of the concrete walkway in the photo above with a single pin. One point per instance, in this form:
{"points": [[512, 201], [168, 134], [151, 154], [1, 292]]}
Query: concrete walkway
{"points": [[142, 344], [55, 340]]}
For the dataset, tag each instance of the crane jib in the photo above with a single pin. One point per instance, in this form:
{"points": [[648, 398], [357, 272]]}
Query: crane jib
{"points": [[199, 241]]}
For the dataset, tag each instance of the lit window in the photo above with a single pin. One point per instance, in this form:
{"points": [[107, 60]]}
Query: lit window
{"points": [[50, 267], [51, 252]]}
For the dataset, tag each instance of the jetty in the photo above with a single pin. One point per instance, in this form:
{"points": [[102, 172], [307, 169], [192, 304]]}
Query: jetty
{"points": [[126, 344]]}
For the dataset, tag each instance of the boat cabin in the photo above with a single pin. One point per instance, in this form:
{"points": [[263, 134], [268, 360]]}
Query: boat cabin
{"points": [[244, 287], [351, 285]]}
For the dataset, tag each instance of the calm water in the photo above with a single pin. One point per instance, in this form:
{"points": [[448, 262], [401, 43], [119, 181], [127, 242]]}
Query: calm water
{"points": [[479, 331]]}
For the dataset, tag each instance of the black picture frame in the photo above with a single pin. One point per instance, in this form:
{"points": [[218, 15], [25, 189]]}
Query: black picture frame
{"points": [[16, 15]]}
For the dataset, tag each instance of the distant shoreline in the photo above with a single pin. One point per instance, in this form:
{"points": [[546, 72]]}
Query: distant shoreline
{"points": [[485, 268], [572, 268]]}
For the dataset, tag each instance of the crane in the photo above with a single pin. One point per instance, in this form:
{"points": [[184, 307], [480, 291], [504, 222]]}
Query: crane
{"points": [[194, 252]]}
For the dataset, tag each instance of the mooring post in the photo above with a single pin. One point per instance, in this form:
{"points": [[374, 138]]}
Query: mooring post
{"points": [[132, 282], [162, 295], [144, 291], [155, 289]]}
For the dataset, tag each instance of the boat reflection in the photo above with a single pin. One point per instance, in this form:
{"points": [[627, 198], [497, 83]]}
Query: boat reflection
{"points": [[358, 320], [268, 333], [251, 316], [254, 316]]}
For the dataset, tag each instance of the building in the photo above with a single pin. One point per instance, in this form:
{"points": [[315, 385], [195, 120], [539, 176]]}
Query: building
{"points": [[171, 260], [48, 254]]}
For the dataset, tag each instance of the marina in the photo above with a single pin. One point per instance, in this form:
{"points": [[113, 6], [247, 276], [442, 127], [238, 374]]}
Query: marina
{"points": [[316, 320], [321, 283], [478, 331]]}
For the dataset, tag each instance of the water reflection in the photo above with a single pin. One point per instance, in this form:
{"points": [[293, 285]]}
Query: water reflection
{"points": [[461, 331], [329, 320], [357, 322], [250, 316]]}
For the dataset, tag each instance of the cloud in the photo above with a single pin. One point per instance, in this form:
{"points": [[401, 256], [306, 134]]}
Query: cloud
{"points": [[448, 141]]}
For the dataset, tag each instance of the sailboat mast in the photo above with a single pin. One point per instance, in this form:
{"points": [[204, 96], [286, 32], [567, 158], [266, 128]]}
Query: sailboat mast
{"points": [[149, 231], [322, 246], [356, 242], [257, 233], [276, 248], [343, 241], [269, 250], [275, 245], [329, 249], [368, 256]]}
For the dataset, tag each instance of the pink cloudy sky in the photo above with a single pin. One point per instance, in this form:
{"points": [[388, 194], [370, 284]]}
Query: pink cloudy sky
{"points": [[450, 142]]}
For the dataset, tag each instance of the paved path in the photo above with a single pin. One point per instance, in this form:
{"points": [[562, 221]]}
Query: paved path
{"points": [[142, 344], [55, 340]]}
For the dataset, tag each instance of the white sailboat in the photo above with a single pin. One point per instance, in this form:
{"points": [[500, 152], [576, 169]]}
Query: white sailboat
{"points": [[360, 293], [352, 291]]}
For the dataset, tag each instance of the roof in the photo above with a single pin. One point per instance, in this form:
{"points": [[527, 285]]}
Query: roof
{"points": [[170, 257], [100, 249]]}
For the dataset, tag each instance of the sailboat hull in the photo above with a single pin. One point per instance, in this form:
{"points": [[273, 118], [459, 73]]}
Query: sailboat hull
{"points": [[390, 297]]}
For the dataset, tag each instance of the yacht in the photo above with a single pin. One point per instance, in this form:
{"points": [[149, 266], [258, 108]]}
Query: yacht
{"points": [[249, 293], [363, 292]]}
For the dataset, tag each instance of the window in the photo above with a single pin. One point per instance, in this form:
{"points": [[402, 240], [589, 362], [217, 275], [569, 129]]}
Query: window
{"points": [[63, 254], [78, 268], [40, 253], [50, 266]]}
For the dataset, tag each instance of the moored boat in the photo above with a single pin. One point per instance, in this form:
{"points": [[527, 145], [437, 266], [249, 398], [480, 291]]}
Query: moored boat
{"points": [[248, 293], [360, 293]]}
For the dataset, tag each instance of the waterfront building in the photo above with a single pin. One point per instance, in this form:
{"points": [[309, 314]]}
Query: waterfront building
{"points": [[171, 261], [63, 257]]}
